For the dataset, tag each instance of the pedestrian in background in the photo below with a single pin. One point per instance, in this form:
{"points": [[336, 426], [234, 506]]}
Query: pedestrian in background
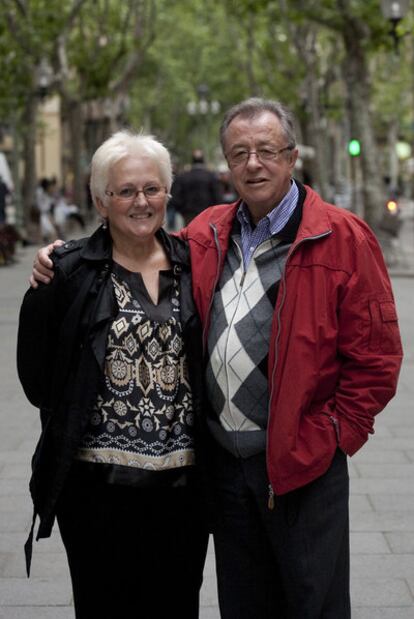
{"points": [[4, 192], [111, 354], [45, 205], [302, 351], [8, 233], [195, 189]]}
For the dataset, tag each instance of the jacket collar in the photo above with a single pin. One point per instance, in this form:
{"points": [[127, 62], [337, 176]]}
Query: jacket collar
{"points": [[315, 218], [310, 219], [99, 247]]}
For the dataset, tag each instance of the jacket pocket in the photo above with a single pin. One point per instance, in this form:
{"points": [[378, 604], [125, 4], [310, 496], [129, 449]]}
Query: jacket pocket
{"points": [[384, 332]]}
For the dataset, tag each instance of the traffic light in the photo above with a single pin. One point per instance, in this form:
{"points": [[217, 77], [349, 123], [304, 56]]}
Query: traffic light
{"points": [[354, 148]]}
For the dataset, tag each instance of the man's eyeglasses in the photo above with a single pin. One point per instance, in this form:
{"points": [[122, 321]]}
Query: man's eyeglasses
{"points": [[266, 153], [130, 193]]}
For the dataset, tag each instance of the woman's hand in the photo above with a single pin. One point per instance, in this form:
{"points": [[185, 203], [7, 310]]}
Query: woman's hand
{"points": [[42, 265]]}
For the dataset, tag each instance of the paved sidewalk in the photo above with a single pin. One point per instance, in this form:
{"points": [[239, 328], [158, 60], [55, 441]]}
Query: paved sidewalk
{"points": [[382, 501]]}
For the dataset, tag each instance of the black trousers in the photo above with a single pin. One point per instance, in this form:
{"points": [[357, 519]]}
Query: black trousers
{"points": [[291, 562], [132, 553]]}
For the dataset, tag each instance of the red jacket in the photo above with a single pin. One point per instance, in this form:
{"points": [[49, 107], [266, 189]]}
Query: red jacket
{"points": [[335, 350]]}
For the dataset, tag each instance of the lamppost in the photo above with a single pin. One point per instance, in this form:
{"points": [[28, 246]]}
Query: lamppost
{"points": [[204, 108], [44, 78], [394, 11]]}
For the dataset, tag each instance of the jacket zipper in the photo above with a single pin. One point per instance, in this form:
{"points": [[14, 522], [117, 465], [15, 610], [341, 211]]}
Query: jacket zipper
{"points": [[207, 320], [337, 429], [271, 499], [272, 495]]}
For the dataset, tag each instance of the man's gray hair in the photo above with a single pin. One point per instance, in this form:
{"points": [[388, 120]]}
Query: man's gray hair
{"points": [[120, 145], [255, 106]]}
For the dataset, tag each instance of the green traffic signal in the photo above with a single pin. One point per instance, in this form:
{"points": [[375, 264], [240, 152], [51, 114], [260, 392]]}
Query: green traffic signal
{"points": [[354, 148]]}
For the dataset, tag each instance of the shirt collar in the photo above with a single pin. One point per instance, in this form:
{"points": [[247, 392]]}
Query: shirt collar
{"points": [[278, 216]]}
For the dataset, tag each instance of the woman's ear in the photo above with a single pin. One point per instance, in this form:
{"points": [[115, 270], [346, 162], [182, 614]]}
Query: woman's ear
{"points": [[100, 207]]}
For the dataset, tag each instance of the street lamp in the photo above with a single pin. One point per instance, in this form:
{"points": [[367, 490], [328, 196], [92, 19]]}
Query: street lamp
{"points": [[44, 78], [394, 11]]}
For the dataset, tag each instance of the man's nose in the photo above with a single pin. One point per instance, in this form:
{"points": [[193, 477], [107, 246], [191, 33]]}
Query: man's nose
{"points": [[253, 160]]}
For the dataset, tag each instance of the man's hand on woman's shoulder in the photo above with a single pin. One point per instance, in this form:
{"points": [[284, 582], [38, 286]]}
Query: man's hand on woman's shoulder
{"points": [[42, 265]]}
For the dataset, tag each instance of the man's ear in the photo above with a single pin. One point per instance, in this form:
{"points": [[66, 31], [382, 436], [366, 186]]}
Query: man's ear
{"points": [[294, 154]]}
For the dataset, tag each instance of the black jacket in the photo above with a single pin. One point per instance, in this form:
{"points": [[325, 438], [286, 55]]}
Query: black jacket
{"points": [[61, 352], [195, 190]]}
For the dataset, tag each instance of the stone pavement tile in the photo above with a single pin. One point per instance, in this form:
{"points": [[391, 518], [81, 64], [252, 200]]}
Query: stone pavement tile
{"points": [[45, 565], [385, 471], [401, 416], [393, 502], [9, 439], [28, 446], [37, 612], [208, 612], [385, 521], [208, 595], [14, 542], [352, 470], [14, 521], [399, 612], [402, 431], [14, 456], [210, 564], [401, 542], [383, 566], [392, 443], [382, 486], [380, 592], [17, 503], [13, 487], [359, 503], [411, 585], [372, 543], [34, 592], [381, 431], [16, 471], [376, 456]]}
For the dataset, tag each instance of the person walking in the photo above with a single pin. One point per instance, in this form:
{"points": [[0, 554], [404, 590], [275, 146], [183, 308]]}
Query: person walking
{"points": [[111, 354], [45, 206], [4, 192], [302, 351], [195, 189]]}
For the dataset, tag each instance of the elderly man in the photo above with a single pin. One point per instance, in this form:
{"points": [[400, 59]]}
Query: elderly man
{"points": [[302, 351]]}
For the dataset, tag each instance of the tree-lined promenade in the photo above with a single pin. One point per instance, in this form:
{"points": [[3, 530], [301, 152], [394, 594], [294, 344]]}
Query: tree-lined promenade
{"points": [[172, 68]]}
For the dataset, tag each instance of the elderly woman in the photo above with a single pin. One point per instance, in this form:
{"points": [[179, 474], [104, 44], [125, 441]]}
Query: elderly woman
{"points": [[110, 353]]}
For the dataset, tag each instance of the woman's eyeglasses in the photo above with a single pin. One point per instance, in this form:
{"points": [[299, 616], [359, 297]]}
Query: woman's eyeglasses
{"points": [[130, 193]]}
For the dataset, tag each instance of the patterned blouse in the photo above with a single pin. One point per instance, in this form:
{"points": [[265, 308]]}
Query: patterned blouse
{"points": [[141, 429]]}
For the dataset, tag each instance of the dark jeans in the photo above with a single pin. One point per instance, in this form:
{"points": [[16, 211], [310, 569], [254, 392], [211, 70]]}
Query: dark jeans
{"points": [[291, 562], [133, 553]]}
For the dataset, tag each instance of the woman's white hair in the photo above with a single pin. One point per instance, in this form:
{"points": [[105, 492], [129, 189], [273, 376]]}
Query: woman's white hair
{"points": [[120, 145]]}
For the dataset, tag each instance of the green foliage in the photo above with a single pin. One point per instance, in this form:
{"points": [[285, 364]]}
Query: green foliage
{"points": [[237, 48]]}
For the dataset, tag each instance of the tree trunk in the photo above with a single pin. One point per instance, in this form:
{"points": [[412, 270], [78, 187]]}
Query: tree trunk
{"points": [[317, 132], [359, 97], [393, 163], [73, 113], [304, 37], [29, 158]]}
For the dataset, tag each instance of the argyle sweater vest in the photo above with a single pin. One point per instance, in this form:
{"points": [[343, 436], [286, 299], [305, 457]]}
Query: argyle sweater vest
{"points": [[238, 346]]}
